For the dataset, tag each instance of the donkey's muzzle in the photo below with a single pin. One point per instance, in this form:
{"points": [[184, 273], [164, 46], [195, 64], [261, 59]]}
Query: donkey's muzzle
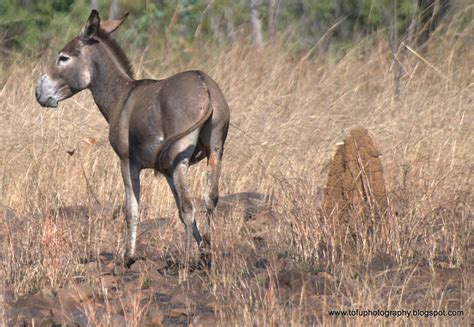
{"points": [[46, 93]]}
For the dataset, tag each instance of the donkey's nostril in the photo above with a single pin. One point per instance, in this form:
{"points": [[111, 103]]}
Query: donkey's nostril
{"points": [[39, 87]]}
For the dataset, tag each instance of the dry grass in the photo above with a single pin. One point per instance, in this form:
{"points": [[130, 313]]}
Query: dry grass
{"points": [[287, 117]]}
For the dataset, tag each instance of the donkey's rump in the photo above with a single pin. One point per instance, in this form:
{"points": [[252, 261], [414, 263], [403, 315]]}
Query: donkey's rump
{"points": [[184, 100]]}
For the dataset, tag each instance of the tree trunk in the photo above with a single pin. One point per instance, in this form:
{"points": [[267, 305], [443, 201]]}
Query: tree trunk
{"points": [[95, 4], [256, 24], [216, 29], [344, 28], [26, 3], [113, 9], [430, 14], [390, 18], [273, 17], [411, 32]]}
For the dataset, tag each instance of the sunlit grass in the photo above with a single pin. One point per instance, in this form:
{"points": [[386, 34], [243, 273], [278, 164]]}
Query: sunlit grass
{"points": [[287, 116]]}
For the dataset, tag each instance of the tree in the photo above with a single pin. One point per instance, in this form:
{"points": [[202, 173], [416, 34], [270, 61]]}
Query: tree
{"points": [[256, 24], [113, 9], [26, 3], [430, 14], [390, 18], [273, 17]]}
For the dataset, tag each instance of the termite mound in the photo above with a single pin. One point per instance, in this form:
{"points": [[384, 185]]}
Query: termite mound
{"points": [[355, 191]]}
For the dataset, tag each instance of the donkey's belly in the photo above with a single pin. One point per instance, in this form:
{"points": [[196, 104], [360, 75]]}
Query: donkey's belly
{"points": [[146, 151]]}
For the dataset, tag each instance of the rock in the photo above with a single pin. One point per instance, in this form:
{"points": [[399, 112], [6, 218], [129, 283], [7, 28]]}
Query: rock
{"points": [[292, 279], [153, 317], [106, 258], [209, 303], [39, 308], [109, 281], [108, 268], [381, 262], [261, 263], [251, 204], [181, 320], [139, 266], [161, 297], [77, 293], [176, 312], [118, 321], [160, 265], [206, 319], [90, 267], [180, 300], [46, 294]]}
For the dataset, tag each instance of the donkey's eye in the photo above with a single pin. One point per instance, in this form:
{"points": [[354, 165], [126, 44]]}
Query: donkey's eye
{"points": [[62, 59]]}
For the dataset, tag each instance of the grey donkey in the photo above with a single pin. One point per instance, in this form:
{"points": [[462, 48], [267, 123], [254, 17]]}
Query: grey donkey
{"points": [[166, 125]]}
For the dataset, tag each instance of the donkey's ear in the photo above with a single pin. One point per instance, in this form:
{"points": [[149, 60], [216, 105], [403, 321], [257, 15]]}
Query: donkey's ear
{"points": [[91, 27], [111, 26]]}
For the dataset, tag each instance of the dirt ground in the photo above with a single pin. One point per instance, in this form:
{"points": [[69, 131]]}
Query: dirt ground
{"points": [[153, 291]]}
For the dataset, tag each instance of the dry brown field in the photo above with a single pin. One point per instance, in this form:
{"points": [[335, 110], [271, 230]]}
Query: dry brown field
{"points": [[278, 259]]}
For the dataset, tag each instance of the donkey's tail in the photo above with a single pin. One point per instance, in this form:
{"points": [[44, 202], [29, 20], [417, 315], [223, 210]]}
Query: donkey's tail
{"points": [[165, 146]]}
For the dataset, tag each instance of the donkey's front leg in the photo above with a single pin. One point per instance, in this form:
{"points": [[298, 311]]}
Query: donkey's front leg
{"points": [[131, 181]]}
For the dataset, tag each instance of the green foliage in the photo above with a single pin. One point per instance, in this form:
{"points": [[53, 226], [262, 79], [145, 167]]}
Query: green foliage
{"points": [[156, 24], [33, 25]]}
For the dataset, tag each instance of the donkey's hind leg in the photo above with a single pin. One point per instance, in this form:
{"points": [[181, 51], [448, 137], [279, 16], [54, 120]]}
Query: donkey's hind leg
{"points": [[180, 154], [214, 161]]}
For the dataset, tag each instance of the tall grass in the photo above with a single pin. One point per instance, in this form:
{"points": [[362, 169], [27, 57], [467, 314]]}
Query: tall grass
{"points": [[287, 116]]}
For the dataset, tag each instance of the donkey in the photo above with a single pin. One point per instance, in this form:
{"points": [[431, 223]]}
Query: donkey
{"points": [[166, 125]]}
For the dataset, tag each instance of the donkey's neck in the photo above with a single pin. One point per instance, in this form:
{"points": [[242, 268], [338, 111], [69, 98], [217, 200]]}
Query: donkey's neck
{"points": [[111, 86]]}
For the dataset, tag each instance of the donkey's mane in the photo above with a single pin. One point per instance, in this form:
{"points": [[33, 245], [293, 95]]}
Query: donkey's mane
{"points": [[117, 50]]}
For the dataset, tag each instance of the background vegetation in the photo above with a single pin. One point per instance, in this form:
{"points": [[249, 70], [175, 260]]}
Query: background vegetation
{"points": [[327, 67], [29, 25]]}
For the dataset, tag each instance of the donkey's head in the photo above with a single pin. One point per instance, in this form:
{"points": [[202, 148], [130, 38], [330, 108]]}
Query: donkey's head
{"points": [[75, 66]]}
